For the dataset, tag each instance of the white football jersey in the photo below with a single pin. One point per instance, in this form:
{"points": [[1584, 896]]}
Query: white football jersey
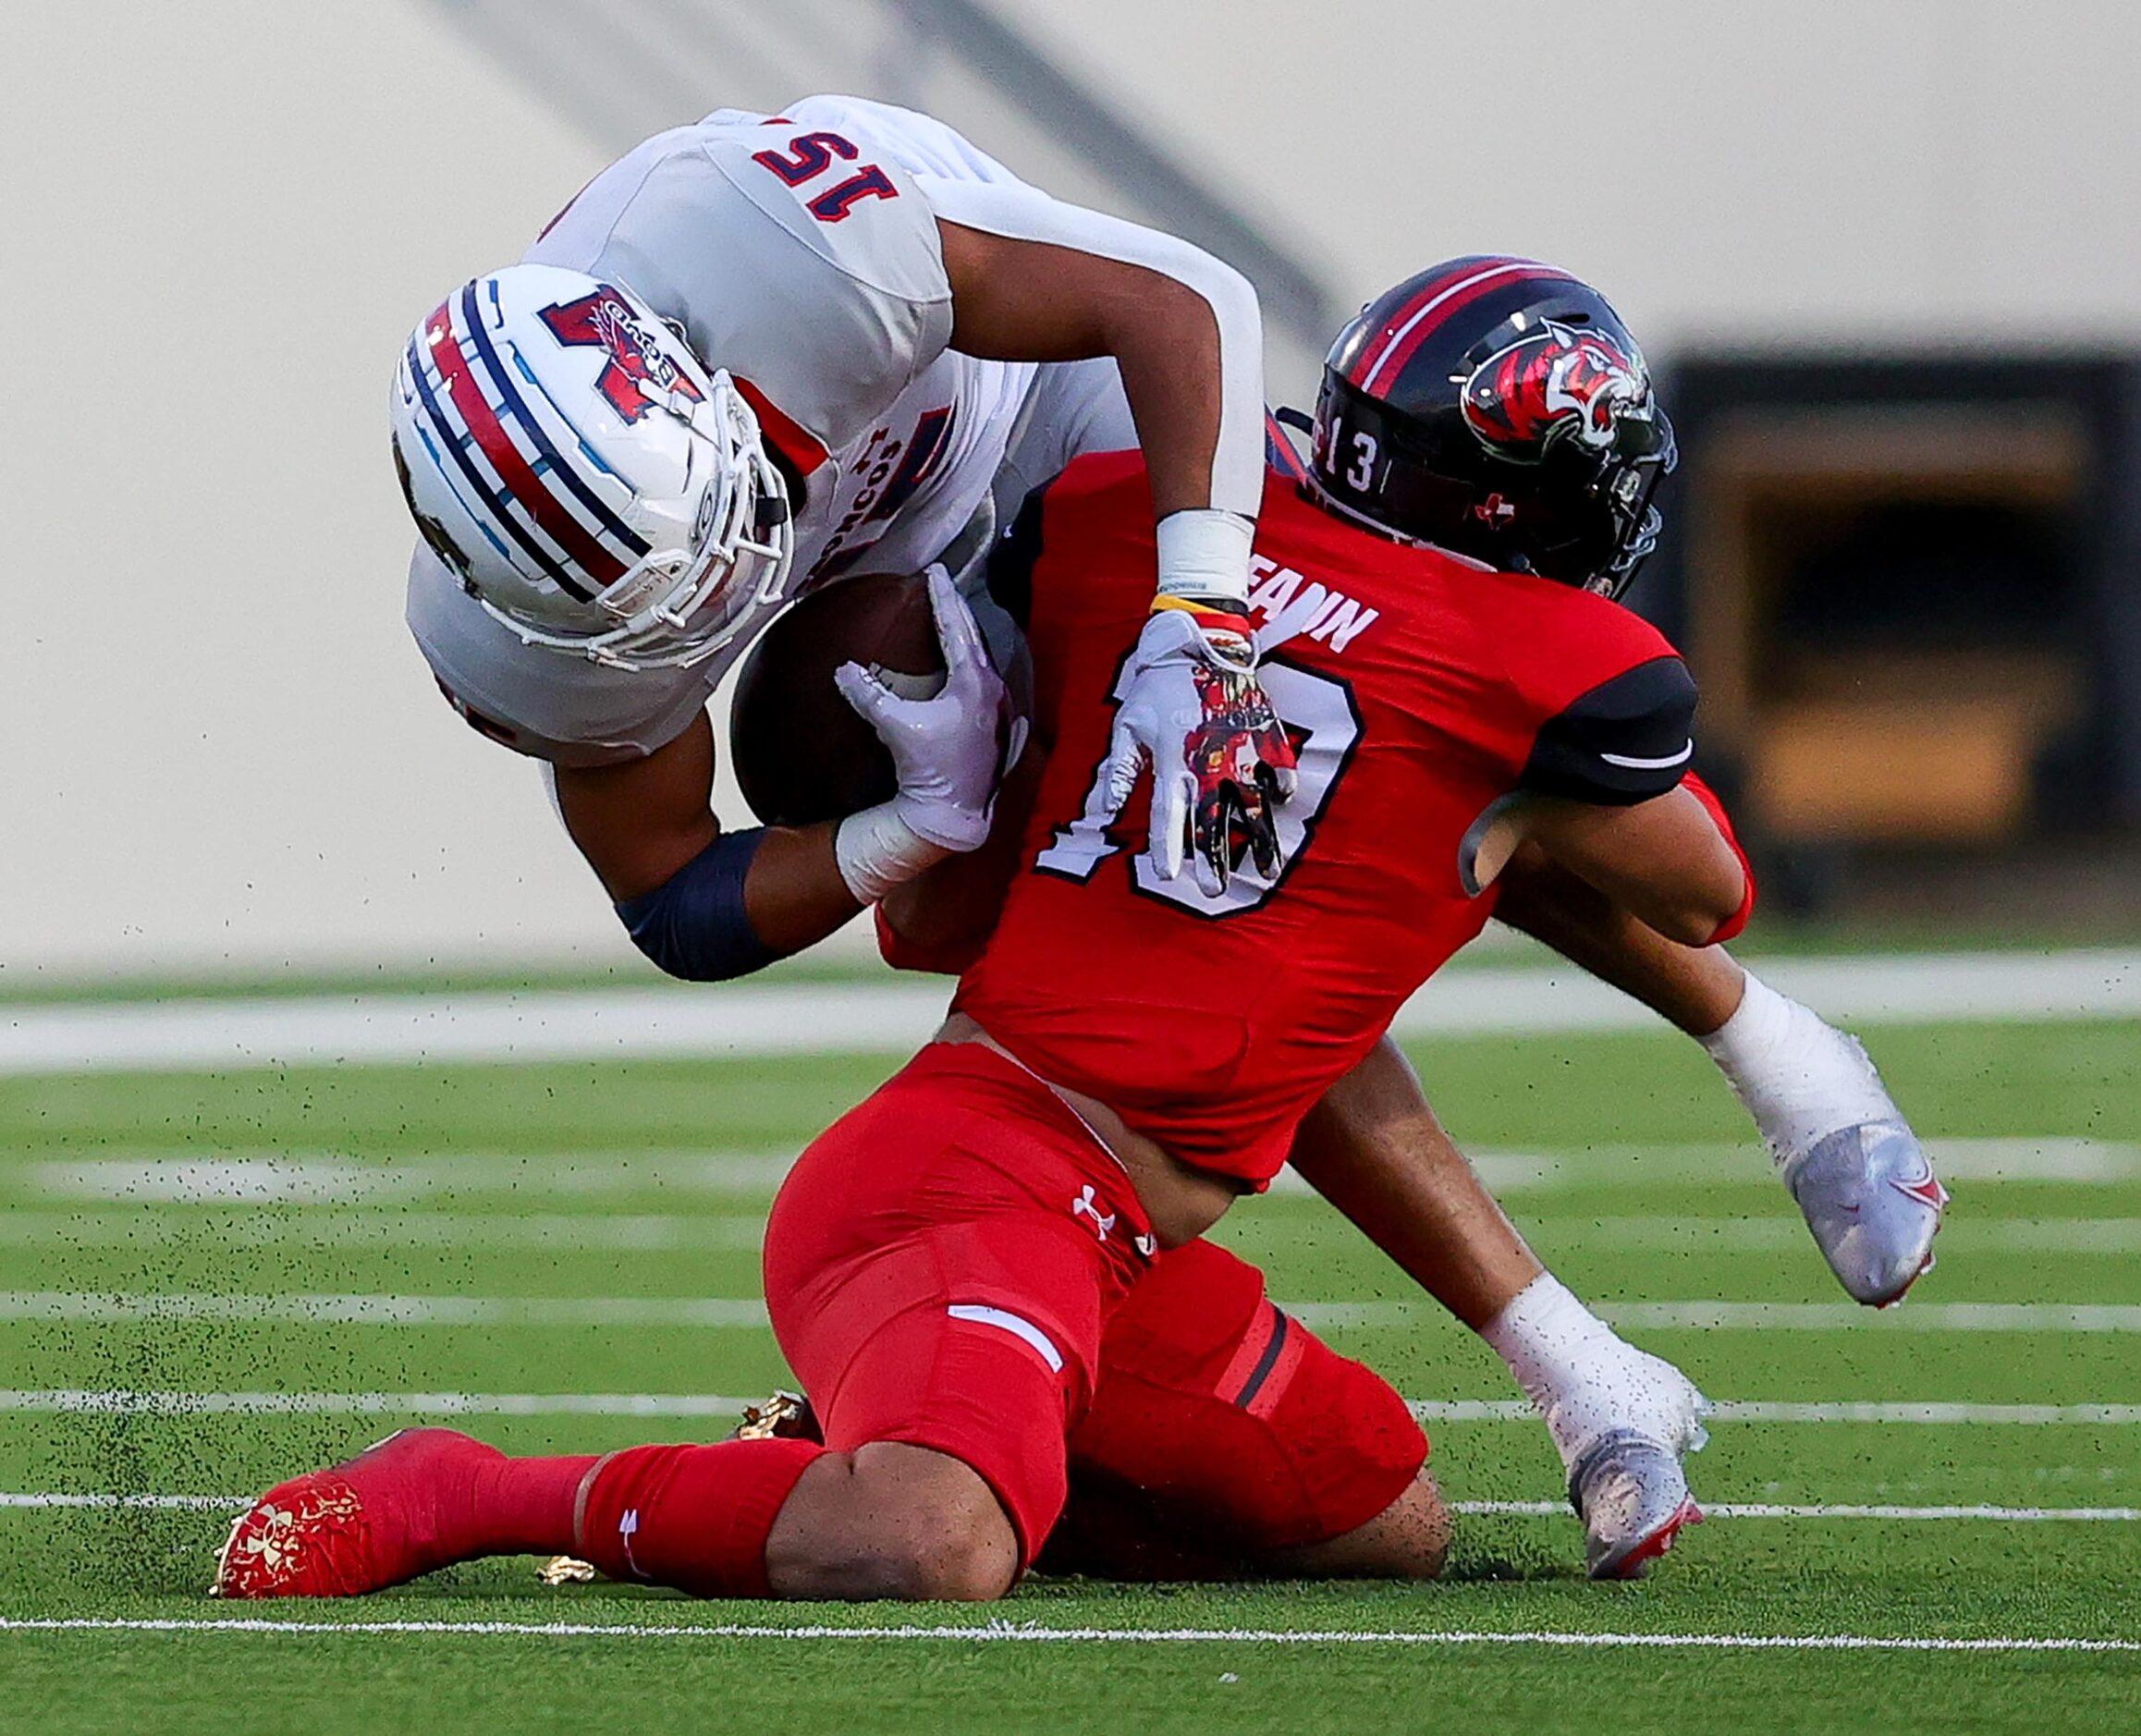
{"points": [[800, 252]]}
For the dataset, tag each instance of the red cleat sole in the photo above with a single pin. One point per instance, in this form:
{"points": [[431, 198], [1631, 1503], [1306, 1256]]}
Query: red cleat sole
{"points": [[1636, 1563]]}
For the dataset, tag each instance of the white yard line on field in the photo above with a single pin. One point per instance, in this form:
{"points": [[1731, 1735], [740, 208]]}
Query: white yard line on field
{"points": [[749, 1020], [297, 1178], [534, 1025], [1729, 1316], [1757, 1317], [58, 1501], [1901, 988], [386, 1309], [1910, 1412], [1017, 1632], [362, 1226], [1653, 1233], [38, 1500], [2046, 1157], [99, 1400], [187, 1178], [1773, 1509], [656, 1233], [120, 1401]]}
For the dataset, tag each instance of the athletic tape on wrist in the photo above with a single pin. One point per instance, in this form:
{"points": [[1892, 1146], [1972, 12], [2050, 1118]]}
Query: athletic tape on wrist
{"points": [[1204, 553], [877, 851], [1212, 616]]}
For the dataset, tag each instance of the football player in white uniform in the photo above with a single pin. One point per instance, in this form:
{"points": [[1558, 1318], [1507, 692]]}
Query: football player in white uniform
{"points": [[895, 329], [761, 352]]}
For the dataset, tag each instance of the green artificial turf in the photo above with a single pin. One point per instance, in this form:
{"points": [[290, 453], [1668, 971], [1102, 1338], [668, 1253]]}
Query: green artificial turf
{"points": [[1621, 1157]]}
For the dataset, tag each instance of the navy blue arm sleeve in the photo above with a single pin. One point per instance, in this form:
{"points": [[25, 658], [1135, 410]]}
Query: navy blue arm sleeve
{"points": [[695, 925]]}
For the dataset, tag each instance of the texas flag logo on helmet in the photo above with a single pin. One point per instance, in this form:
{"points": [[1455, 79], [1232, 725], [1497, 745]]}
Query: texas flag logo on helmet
{"points": [[1555, 384], [639, 358]]}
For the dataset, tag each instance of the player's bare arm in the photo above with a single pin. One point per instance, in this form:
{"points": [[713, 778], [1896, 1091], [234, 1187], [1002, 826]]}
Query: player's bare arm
{"points": [[1017, 301], [1696, 987], [704, 904], [1034, 279], [641, 824], [1376, 1150], [1663, 861]]}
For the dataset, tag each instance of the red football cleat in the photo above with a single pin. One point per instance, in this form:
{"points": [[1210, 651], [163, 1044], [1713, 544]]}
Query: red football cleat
{"points": [[360, 1526]]}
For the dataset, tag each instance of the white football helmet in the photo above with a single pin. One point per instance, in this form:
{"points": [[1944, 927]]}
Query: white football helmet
{"points": [[587, 479]]}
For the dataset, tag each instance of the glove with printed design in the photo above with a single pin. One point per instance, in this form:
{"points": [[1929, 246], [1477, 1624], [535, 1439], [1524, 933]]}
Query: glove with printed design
{"points": [[1194, 711]]}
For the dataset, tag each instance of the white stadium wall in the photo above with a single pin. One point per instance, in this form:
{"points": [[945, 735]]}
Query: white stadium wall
{"points": [[221, 746], [221, 750], [1903, 171]]}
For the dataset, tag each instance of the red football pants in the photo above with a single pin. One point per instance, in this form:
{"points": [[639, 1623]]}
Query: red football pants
{"points": [[959, 1263]]}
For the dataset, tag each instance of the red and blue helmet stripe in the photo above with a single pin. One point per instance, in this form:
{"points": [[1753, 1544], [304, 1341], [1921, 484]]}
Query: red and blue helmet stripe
{"points": [[521, 486], [1387, 337]]}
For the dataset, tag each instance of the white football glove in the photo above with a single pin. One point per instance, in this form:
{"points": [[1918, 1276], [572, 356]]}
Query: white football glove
{"points": [[949, 751], [1196, 712]]}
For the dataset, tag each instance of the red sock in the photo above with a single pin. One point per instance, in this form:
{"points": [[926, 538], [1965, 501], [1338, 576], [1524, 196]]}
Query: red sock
{"points": [[436, 1497], [524, 1506], [695, 1518]]}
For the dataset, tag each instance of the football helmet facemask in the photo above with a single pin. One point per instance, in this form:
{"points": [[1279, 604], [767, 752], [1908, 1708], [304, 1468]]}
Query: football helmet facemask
{"points": [[1497, 408], [588, 481]]}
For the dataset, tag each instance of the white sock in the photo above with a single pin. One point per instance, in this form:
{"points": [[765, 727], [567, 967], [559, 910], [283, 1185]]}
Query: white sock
{"points": [[1582, 1376], [1800, 1079]]}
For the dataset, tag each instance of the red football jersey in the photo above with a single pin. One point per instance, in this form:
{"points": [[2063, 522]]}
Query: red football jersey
{"points": [[1421, 690]]}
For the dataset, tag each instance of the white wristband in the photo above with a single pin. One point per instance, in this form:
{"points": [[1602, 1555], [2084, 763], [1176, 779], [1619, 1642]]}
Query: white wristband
{"points": [[877, 851], [1205, 553]]}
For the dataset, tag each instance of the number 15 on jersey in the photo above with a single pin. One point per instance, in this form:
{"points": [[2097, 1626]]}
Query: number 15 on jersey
{"points": [[810, 154]]}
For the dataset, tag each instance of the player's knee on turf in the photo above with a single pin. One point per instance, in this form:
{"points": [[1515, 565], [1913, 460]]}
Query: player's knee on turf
{"points": [[896, 1521], [1247, 1440], [1409, 1539]]}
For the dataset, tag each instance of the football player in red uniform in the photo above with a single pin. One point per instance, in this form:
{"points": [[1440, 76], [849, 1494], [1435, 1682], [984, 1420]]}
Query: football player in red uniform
{"points": [[992, 1270], [761, 352]]}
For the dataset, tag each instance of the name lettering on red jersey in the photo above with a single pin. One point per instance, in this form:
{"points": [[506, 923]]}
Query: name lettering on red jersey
{"points": [[1291, 605]]}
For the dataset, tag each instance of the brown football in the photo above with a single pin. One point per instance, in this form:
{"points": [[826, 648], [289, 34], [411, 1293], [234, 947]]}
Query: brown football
{"points": [[801, 753]]}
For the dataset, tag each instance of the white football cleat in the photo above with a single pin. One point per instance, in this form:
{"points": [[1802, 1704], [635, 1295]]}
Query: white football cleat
{"points": [[1869, 1196], [1631, 1492], [1841, 1145], [1628, 1484]]}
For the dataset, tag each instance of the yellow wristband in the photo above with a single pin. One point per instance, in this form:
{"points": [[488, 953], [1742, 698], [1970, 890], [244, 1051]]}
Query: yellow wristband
{"points": [[1202, 611]]}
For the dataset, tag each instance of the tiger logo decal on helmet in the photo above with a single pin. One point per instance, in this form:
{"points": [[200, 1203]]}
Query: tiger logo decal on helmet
{"points": [[1554, 383]]}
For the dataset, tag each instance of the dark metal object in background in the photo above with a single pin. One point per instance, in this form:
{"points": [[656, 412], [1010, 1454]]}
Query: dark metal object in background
{"points": [[638, 65], [2093, 548]]}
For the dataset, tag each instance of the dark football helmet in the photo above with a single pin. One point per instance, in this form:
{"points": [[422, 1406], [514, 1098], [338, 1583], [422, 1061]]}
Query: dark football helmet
{"points": [[1497, 408]]}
